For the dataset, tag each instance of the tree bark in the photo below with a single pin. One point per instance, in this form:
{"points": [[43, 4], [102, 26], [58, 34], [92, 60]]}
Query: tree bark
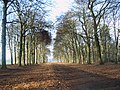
{"points": [[89, 53], [15, 50], [20, 50], [10, 47], [27, 52], [97, 44], [4, 20], [15, 55], [24, 50]]}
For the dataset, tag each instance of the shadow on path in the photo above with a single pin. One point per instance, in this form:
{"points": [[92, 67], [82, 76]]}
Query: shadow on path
{"points": [[76, 79], [54, 77]]}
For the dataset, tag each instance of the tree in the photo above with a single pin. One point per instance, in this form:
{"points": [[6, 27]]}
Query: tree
{"points": [[105, 40], [30, 18], [10, 31], [86, 27], [116, 34], [97, 16], [67, 40], [4, 20]]}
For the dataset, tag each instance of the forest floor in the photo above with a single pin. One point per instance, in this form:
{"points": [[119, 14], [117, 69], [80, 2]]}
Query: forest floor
{"points": [[56, 76]]}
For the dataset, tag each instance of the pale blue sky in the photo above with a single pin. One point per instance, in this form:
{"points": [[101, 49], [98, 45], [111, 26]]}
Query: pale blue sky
{"points": [[60, 7]]}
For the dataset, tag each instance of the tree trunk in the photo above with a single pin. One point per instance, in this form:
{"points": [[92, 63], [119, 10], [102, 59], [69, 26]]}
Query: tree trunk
{"points": [[36, 50], [30, 49], [4, 20], [83, 54], [11, 52], [24, 50], [15, 55], [10, 47], [116, 35], [116, 52], [89, 52], [27, 52], [33, 52], [20, 51], [97, 43]]}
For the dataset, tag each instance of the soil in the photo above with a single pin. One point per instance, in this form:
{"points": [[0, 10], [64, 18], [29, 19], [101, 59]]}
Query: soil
{"points": [[61, 77]]}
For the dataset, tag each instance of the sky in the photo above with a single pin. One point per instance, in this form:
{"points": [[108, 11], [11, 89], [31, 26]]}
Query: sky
{"points": [[60, 7]]}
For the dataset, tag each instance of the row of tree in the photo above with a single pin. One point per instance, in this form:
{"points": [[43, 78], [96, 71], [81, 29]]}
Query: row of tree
{"points": [[89, 33], [24, 24]]}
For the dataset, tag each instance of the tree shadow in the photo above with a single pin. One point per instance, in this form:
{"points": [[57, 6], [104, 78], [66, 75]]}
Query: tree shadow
{"points": [[76, 79], [13, 74], [55, 77]]}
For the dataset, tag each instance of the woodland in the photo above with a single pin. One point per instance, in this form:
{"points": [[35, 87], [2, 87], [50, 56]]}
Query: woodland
{"points": [[86, 53]]}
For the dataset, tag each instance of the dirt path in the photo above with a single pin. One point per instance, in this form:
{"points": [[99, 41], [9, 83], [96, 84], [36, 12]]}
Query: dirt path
{"points": [[59, 77]]}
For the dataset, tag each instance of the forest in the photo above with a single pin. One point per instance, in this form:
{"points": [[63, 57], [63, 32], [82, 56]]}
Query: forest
{"points": [[87, 44]]}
